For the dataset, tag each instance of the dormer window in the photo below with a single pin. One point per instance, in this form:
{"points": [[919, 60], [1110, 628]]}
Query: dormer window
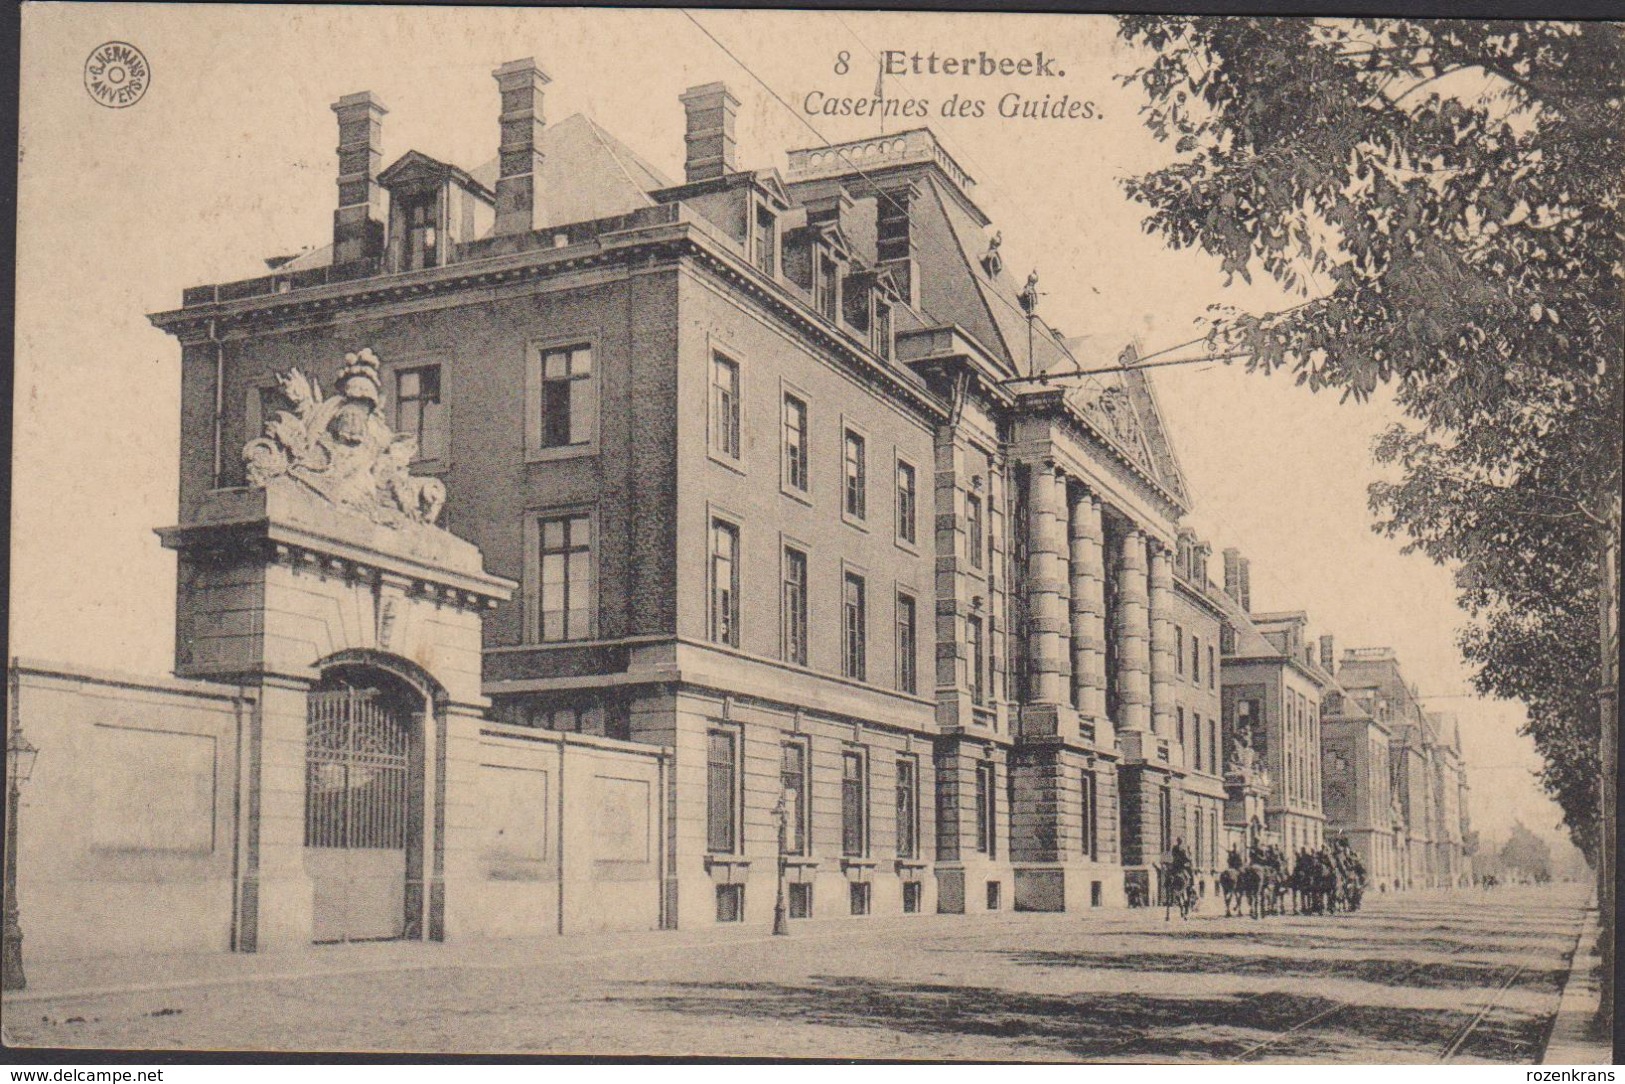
{"points": [[826, 289], [420, 250], [765, 240], [880, 329]]}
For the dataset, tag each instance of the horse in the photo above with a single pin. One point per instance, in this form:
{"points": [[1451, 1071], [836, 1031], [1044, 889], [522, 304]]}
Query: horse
{"points": [[1230, 885], [1180, 891], [1257, 885]]}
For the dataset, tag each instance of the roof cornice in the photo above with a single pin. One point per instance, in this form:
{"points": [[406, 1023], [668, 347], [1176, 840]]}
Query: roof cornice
{"points": [[631, 247]]}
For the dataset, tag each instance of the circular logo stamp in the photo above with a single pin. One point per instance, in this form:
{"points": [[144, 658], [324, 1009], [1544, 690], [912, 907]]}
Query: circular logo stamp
{"points": [[117, 74]]}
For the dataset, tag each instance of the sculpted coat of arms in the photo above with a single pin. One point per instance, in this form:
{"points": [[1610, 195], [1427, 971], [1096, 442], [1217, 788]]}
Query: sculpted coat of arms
{"points": [[343, 450]]}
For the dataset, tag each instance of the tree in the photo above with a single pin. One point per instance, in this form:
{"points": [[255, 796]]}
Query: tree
{"points": [[1445, 198], [1528, 853]]}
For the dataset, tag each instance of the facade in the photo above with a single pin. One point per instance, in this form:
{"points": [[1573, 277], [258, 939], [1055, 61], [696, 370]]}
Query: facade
{"points": [[765, 457], [1198, 618], [1273, 690], [1359, 802], [1427, 775]]}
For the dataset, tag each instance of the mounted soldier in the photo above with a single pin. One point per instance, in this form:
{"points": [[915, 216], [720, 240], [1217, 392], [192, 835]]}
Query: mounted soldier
{"points": [[1181, 887]]}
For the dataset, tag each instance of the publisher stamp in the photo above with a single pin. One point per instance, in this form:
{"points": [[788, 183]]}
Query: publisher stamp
{"points": [[117, 74]]}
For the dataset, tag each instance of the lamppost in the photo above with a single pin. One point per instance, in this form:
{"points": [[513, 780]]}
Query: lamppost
{"points": [[19, 766], [781, 923]]}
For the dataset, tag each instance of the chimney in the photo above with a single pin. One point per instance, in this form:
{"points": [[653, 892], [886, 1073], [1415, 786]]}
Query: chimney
{"points": [[518, 199], [358, 224], [1232, 573], [709, 132], [1245, 583], [1328, 660]]}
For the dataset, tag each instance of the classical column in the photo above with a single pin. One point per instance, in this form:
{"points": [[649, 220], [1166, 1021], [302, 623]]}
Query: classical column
{"points": [[1133, 634], [1162, 640], [1044, 621], [1062, 504], [1088, 607]]}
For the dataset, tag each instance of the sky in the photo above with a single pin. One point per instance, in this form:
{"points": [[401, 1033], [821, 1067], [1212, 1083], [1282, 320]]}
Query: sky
{"points": [[229, 158]]}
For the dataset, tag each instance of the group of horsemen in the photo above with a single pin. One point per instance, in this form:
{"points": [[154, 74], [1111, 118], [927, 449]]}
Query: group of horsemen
{"points": [[1325, 880]]}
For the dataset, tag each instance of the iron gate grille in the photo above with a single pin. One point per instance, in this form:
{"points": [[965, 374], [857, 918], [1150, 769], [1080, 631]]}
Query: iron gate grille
{"points": [[355, 772]]}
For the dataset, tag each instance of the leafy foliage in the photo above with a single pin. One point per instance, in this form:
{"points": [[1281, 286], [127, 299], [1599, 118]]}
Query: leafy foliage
{"points": [[1445, 197]]}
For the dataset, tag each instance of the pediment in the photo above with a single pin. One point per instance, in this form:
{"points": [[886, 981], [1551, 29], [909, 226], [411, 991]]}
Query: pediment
{"points": [[415, 169]]}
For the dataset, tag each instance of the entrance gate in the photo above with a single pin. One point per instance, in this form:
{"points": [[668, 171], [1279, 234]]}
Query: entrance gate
{"points": [[357, 798]]}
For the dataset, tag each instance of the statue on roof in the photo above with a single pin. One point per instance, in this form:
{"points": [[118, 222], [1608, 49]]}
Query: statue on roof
{"points": [[1029, 294], [342, 449]]}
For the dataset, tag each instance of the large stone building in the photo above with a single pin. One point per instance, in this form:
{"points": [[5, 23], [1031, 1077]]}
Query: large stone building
{"points": [[1359, 801], [1273, 690], [769, 461], [1427, 779]]}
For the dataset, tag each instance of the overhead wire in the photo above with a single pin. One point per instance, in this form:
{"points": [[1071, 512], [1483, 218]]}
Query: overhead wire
{"points": [[1078, 370], [853, 166]]}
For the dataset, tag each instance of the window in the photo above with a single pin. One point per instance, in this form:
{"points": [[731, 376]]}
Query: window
{"points": [[880, 331], [795, 606], [725, 407], [1088, 796], [1165, 818], [854, 806], [978, 658], [722, 793], [1211, 669], [1213, 747], [766, 241], [993, 895], [912, 894], [973, 529], [565, 588], [1179, 651], [858, 895], [795, 443], [421, 239], [419, 411], [1196, 733], [724, 583], [801, 905], [907, 652], [986, 810], [1179, 715], [853, 628], [568, 408], [730, 903], [906, 498], [793, 782], [908, 808], [856, 476], [825, 294], [1196, 659]]}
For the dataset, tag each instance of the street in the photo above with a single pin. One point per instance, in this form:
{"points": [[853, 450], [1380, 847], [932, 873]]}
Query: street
{"points": [[1469, 975]]}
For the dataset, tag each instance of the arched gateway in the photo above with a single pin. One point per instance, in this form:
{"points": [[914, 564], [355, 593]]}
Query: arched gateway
{"points": [[326, 586], [363, 803]]}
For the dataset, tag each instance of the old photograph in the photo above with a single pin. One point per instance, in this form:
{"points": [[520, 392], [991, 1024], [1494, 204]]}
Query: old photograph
{"points": [[923, 537]]}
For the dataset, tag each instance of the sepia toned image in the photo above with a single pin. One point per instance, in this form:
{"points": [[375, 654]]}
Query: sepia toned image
{"points": [[820, 535]]}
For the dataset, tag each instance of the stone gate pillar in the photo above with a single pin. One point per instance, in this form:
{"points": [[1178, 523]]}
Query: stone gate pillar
{"points": [[330, 558]]}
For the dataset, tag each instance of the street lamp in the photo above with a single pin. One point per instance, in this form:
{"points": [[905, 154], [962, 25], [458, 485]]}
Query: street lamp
{"points": [[19, 766], [781, 923]]}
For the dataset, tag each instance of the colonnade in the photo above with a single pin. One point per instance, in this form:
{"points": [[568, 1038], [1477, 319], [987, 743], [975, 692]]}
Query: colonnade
{"points": [[1067, 623]]}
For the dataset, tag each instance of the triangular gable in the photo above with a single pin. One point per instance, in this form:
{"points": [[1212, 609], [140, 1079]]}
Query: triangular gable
{"points": [[770, 182], [1123, 407], [1158, 442], [417, 168]]}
